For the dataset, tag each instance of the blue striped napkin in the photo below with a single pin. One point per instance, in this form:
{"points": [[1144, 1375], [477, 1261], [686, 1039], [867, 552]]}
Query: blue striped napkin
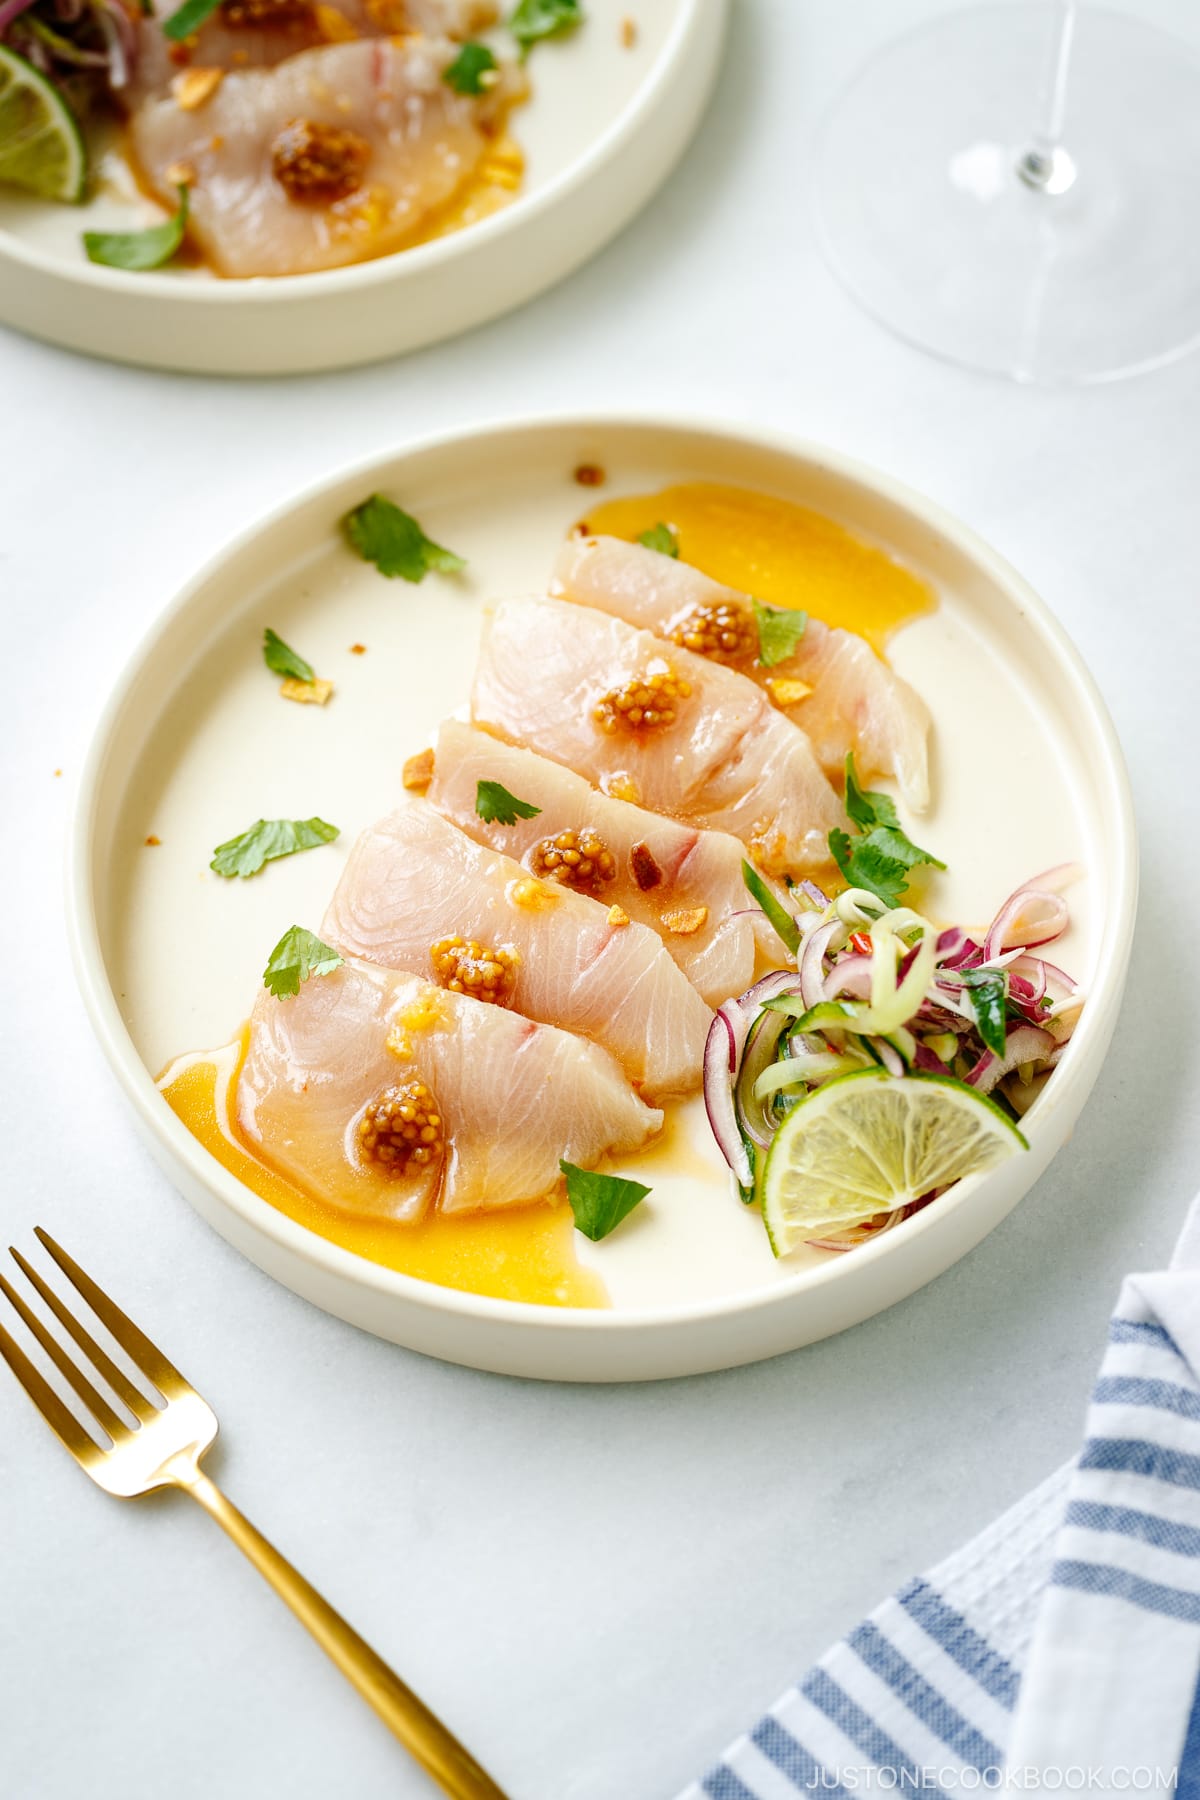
{"points": [[1058, 1651]]}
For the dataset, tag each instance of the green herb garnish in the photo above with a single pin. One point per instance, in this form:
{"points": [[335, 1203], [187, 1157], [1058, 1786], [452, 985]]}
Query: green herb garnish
{"points": [[188, 18], [782, 920], [660, 537], [882, 856], [267, 839], [534, 20], [297, 955], [136, 250], [780, 629], [281, 659], [496, 806], [987, 991], [465, 74], [600, 1202], [383, 534]]}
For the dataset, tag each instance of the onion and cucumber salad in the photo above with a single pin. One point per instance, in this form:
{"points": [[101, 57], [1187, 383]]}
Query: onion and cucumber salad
{"points": [[891, 1059]]}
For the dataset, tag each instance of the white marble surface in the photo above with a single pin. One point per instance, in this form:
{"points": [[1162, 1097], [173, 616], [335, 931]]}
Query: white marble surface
{"points": [[596, 1587]]}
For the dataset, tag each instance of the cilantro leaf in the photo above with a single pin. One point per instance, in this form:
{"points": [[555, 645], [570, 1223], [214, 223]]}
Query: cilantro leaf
{"points": [[782, 920], [390, 538], [780, 629], [600, 1202], [987, 991], [281, 659], [188, 18], [865, 864], [297, 955], [135, 250], [466, 73], [496, 806], [660, 537], [880, 859], [867, 810], [267, 839], [536, 19]]}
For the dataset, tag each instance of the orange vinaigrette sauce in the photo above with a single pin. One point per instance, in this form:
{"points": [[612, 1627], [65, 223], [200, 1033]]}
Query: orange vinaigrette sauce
{"points": [[777, 551], [524, 1253], [782, 554]]}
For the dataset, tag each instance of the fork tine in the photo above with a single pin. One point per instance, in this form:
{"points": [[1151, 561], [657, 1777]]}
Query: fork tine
{"points": [[96, 1404], [59, 1417], [135, 1400], [148, 1357]]}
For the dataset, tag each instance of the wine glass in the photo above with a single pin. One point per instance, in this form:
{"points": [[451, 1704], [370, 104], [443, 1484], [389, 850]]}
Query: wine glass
{"points": [[1016, 187]]}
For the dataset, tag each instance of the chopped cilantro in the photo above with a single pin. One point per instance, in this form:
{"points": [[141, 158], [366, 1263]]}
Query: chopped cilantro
{"points": [[135, 250], [534, 20], [267, 839], [782, 920], [390, 538], [780, 629], [466, 73], [660, 537], [496, 806], [297, 955], [281, 659], [882, 856], [600, 1202]]}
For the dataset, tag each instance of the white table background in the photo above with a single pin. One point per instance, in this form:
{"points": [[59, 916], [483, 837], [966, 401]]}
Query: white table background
{"points": [[596, 1587]]}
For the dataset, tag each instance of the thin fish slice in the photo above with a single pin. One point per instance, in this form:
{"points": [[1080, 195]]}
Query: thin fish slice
{"points": [[730, 760], [414, 144], [857, 702], [684, 883], [512, 1097], [415, 879], [257, 34]]}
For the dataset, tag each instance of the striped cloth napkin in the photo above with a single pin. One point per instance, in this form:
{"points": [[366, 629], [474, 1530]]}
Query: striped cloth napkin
{"points": [[1058, 1651]]}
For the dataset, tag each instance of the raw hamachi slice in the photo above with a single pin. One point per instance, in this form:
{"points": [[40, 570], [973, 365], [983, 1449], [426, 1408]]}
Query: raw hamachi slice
{"points": [[684, 883], [509, 1097], [414, 880], [257, 34], [857, 702], [334, 155], [727, 760]]}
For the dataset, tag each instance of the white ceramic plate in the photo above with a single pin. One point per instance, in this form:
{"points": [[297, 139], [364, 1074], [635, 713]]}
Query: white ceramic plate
{"points": [[603, 129], [1027, 773]]}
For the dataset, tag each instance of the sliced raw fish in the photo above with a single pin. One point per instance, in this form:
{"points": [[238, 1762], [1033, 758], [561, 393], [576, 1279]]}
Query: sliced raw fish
{"points": [[728, 760], [414, 881], [334, 155], [509, 1097], [257, 34], [684, 883], [857, 702]]}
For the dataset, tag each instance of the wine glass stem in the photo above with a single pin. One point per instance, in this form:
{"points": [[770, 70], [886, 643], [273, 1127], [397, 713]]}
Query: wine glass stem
{"points": [[1044, 163]]}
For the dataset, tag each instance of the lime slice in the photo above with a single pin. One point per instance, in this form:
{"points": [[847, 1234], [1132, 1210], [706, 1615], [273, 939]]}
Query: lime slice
{"points": [[870, 1142], [41, 145]]}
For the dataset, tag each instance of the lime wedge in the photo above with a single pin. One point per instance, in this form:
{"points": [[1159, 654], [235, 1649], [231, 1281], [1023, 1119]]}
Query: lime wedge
{"points": [[41, 145], [870, 1142]]}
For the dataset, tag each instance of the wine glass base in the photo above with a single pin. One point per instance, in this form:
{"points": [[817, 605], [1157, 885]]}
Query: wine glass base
{"points": [[933, 218]]}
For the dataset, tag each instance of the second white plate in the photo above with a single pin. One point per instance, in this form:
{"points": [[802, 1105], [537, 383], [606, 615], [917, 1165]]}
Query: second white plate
{"points": [[606, 124]]}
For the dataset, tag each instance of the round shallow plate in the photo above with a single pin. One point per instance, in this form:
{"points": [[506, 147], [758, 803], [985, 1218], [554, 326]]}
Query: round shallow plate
{"points": [[189, 751], [605, 125]]}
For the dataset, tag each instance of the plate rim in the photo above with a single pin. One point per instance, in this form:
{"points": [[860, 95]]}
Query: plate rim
{"points": [[331, 1260], [377, 271]]}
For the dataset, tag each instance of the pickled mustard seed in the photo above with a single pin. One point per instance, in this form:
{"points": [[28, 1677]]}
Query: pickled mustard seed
{"points": [[725, 632]]}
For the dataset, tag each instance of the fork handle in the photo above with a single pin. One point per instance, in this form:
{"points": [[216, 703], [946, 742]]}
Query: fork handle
{"points": [[423, 1735]]}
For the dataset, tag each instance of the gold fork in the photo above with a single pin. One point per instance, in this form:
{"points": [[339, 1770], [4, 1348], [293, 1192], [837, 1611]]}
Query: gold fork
{"points": [[172, 1428]]}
